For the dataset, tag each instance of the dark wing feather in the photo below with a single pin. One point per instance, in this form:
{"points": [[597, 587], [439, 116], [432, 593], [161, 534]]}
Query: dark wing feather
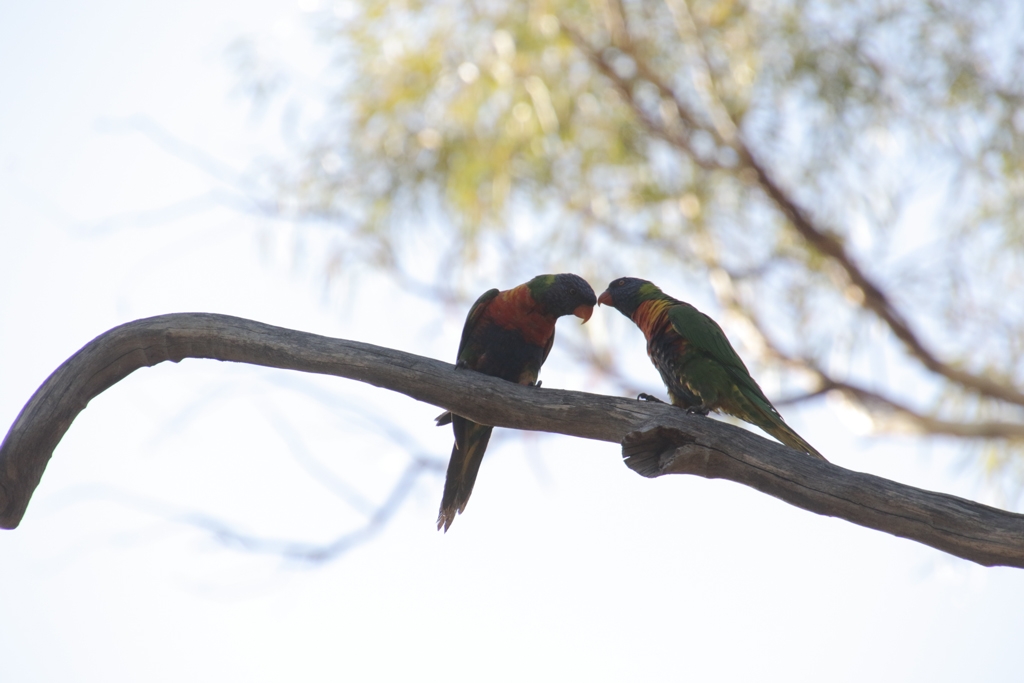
{"points": [[473, 317], [547, 349]]}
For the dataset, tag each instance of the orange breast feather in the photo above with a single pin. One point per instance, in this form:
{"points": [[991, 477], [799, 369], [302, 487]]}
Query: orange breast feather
{"points": [[515, 309]]}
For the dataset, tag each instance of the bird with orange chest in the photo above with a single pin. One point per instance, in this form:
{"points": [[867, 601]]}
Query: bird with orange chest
{"points": [[507, 334], [695, 359]]}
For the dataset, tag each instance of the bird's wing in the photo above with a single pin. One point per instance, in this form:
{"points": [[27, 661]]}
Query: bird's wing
{"points": [[705, 335], [547, 347], [473, 317]]}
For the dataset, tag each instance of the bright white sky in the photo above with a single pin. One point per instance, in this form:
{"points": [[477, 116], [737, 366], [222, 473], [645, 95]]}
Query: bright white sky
{"points": [[566, 565]]}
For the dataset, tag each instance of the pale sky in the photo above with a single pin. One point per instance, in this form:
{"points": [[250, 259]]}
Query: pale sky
{"points": [[565, 566]]}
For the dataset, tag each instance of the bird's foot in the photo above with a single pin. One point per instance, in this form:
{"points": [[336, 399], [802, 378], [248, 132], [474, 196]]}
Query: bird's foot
{"points": [[648, 398], [698, 410], [459, 365], [536, 384]]}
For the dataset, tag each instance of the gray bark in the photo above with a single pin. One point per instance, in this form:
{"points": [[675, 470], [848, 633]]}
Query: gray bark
{"points": [[657, 439]]}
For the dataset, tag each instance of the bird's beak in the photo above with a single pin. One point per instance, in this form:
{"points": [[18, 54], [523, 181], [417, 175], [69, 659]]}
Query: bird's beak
{"points": [[583, 311], [605, 299]]}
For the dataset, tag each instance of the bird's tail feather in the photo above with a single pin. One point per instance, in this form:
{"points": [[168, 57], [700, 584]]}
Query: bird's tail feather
{"points": [[786, 435], [467, 454], [770, 421]]}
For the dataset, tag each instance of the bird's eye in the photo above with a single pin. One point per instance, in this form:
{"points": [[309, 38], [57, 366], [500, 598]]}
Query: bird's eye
{"points": [[573, 291], [620, 282]]}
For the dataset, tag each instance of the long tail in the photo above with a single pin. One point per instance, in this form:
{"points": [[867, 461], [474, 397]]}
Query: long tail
{"points": [[467, 454], [765, 416], [784, 433]]}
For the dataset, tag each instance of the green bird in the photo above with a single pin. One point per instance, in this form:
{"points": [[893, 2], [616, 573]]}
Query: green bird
{"points": [[695, 359], [508, 335]]}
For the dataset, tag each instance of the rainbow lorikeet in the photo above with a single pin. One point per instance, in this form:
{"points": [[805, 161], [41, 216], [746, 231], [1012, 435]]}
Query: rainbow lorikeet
{"points": [[508, 335], [695, 359]]}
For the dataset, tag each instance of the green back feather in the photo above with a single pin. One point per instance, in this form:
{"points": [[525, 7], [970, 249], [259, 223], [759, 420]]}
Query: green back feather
{"points": [[706, 336]]}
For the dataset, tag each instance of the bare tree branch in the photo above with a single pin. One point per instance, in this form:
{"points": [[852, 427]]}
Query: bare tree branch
{"points": [[951, 523], [657, 439]]}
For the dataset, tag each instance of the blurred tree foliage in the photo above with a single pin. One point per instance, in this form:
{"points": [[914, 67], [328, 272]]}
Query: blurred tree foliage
{"points": [[843, 180]]}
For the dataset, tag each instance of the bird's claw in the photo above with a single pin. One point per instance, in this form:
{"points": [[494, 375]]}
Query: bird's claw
{"points": [[648, 398], [536, 384], [697, 410], [459, 365]]}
